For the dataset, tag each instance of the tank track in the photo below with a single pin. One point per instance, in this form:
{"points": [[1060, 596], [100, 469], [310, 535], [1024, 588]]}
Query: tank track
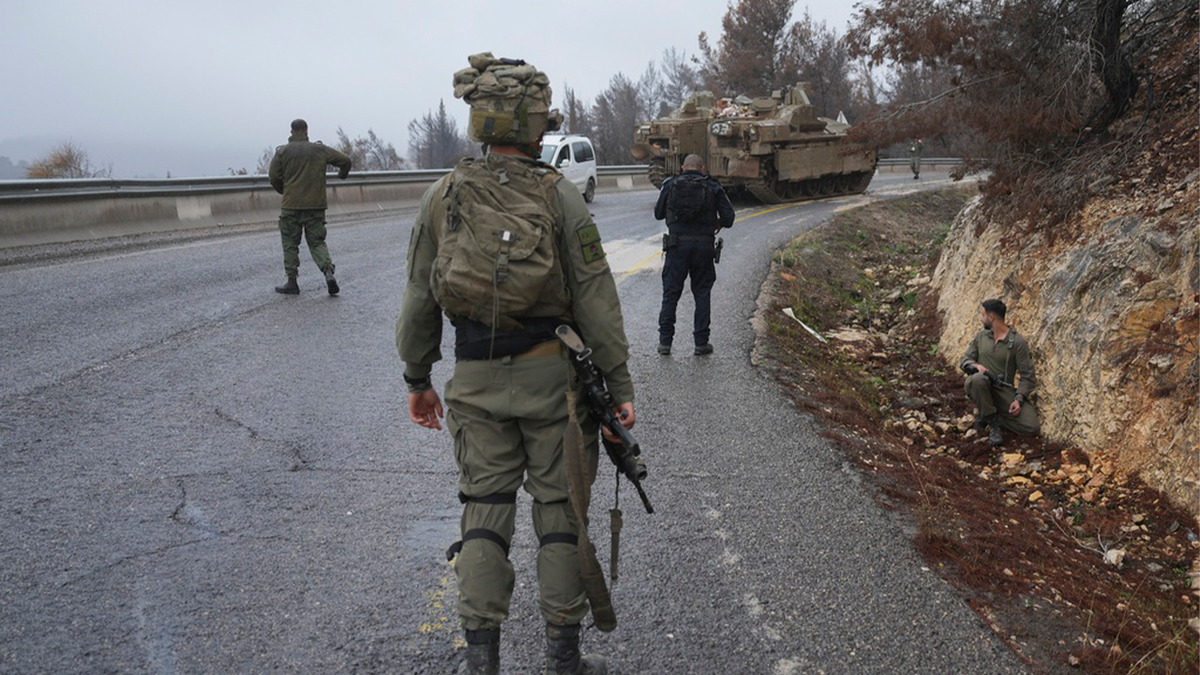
{"points": [[806, 190], [657, 173]]}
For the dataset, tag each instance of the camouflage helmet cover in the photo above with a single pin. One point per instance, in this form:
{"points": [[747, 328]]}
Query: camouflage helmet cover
{"points": [[509, 99]]}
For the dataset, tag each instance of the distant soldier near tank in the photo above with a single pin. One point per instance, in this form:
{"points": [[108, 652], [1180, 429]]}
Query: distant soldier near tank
{"points": [[508, 251], [695, 207], [1000, 376], [298, 173], [914, 157]]}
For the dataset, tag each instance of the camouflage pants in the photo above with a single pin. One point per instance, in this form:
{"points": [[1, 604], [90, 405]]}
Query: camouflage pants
{"points": [[508, 416], [996, 400], [309, 223], [914, 163]]}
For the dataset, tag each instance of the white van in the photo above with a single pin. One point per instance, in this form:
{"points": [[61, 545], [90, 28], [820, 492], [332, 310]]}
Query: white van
{"points": [[575, 158]]}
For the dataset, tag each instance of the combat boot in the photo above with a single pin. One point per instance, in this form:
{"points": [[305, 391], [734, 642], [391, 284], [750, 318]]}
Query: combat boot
{"points": [[290, 288], [562, 654], [331, 283], [483, 653], [996, 436]]}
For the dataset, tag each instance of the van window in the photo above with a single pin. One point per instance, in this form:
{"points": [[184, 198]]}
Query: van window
{"points": [[565, 154], [583, 151], [548, 153]]}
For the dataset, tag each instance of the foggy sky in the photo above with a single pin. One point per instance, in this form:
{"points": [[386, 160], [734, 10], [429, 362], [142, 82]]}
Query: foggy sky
{"points": [[193, 88]]}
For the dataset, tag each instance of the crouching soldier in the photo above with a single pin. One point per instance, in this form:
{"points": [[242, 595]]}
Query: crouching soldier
{"points": [[994, 359]]}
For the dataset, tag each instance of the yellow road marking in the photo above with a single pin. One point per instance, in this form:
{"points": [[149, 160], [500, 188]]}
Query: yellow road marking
{"points": [[773, 209], [441, 601], [639, 266]]}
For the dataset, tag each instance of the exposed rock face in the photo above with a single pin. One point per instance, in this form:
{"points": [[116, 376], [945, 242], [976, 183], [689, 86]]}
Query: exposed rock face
{"points": [[1111, 314]]}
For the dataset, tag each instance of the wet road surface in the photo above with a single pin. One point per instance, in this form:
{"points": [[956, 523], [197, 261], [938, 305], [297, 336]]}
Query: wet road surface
{"points": [[203, 476]]}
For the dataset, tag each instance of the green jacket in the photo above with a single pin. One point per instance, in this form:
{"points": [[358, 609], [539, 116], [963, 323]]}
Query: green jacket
{"points": [[1006, 358], [298, 172], [595, 308]]}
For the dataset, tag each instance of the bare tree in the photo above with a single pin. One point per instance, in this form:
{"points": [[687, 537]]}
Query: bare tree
{"points": [[264, 160], [434, 141], [370, 152], [617, 110], [578, 117], [820, 58], [1033, 79], [67, 160], [679, 78]]}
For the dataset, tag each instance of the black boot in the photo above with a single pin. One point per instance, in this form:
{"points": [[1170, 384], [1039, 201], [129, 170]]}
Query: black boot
{"points": [[980, 425], [562, 654], [996, 436], [290, 288], [483, 653], [331, 283]]}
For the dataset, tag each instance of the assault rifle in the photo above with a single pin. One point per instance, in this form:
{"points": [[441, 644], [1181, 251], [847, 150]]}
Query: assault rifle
{"points": [[625, 452], [970, 369]]}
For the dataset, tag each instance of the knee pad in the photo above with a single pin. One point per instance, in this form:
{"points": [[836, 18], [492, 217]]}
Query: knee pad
{"points": [[500, 498], [554, 523]]}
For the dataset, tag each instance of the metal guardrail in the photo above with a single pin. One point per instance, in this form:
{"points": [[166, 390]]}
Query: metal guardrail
{"points": [[903, 161], [84, 188]]}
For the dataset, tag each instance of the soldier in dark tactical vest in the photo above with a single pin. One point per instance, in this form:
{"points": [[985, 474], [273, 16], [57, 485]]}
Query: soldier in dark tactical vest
{"points": [[695, 208]]}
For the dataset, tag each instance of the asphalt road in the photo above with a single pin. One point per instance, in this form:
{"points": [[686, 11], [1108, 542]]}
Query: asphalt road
{"points": [[202, 476]]}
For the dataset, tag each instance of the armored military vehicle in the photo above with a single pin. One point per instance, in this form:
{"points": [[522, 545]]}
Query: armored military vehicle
{"points": [[774, 147]]}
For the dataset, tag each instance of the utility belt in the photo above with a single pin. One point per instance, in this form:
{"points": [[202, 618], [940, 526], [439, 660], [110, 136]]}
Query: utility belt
{"points": [[671, 240], [473, 341]]}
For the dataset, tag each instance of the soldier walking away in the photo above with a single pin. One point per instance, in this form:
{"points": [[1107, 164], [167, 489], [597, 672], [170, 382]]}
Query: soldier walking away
{"points": [[695, 207], [298, 173], [1000, 377], [507, 250], [914, 157]]}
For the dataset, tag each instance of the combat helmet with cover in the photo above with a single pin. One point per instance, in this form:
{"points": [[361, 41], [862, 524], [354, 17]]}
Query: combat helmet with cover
{"points": [[498, 262], [509, 99]]}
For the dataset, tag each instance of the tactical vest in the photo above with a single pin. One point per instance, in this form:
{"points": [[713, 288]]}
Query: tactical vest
{"points": [[498, 259], [692, 201]]}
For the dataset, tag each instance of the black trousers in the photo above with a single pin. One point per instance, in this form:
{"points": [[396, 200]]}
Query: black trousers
{"points": [[688, 259]]}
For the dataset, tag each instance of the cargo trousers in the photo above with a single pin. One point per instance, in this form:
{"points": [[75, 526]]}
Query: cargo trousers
{"points": [[508, 416], [991, 399], [309, 223], [692, 258]]}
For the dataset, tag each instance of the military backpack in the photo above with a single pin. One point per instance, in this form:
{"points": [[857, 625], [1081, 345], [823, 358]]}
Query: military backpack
{"points": [[498, 259]]}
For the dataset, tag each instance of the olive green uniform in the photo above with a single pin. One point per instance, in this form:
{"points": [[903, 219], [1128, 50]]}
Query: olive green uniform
{"points": [[298, 173], [508, 415], [1005, 359], [914, 157]]}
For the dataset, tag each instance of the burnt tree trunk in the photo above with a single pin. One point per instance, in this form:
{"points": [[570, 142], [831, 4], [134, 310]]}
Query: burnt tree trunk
{"points": [[1111, 60]]}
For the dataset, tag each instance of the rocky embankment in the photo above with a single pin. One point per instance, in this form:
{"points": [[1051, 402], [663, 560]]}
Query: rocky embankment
{"points": [[1111, 314]]}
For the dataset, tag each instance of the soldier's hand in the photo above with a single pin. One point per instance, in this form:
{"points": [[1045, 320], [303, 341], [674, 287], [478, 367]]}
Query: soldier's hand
{"points": [[981, 367], [425, 408], [1015, 408], [624, 412]]}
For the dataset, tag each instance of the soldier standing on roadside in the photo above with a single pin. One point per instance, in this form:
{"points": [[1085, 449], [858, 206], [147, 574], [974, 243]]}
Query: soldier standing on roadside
{"points": [[298, 173], [993, 361], [914, 157], [528, 259], [695, 208]]}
